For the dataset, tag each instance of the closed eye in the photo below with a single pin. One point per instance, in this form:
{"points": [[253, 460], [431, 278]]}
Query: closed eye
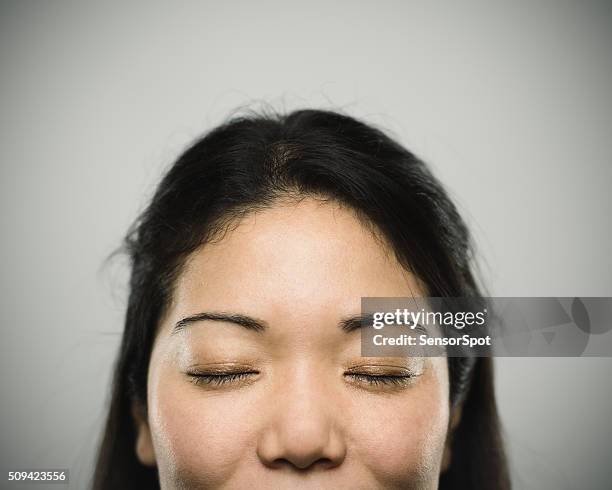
{"points": [[381, 379], [220, 379]]}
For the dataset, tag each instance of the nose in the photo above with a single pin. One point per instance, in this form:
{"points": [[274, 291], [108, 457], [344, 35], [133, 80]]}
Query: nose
{"points": [[303, 432]]}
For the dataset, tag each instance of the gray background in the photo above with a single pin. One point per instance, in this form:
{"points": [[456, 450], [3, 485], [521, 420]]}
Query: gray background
{"points": [[509, 102]]}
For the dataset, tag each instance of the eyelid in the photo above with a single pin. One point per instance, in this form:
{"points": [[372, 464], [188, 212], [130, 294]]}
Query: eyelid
{"points": [[381, 381], [220, 368], [220, 373], [383, 370], [382, 377], [220, 378]]}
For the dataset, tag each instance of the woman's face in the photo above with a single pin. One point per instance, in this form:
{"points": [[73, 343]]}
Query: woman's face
{"points": [[267, 390]]}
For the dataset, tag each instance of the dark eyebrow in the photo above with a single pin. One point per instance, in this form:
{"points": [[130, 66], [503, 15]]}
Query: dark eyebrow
{"points": [[244, 321], [355, 322], [347, 324]]}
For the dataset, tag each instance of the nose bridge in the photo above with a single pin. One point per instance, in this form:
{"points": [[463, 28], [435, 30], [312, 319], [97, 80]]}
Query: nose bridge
{"points": [[303, 429], [304, 410]]}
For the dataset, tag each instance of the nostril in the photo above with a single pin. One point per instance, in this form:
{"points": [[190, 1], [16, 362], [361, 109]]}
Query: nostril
{"points": [[303, 466]]}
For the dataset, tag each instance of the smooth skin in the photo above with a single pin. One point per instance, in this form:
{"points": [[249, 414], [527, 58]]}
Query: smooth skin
{"points": [[289, 402]]}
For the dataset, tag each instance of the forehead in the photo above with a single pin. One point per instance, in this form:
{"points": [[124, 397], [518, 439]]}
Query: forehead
{"points": [[306, 255]]}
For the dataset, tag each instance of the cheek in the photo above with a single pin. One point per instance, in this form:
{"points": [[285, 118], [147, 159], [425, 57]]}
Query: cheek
{"points": [[401, 439], [199, 441]]}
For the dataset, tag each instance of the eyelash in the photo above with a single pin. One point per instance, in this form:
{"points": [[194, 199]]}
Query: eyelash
{"points": [[382, 379], [220, 379]]}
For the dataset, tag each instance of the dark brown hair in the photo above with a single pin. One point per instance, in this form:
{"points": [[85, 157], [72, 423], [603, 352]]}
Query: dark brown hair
{"points": [[250, 162]]}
